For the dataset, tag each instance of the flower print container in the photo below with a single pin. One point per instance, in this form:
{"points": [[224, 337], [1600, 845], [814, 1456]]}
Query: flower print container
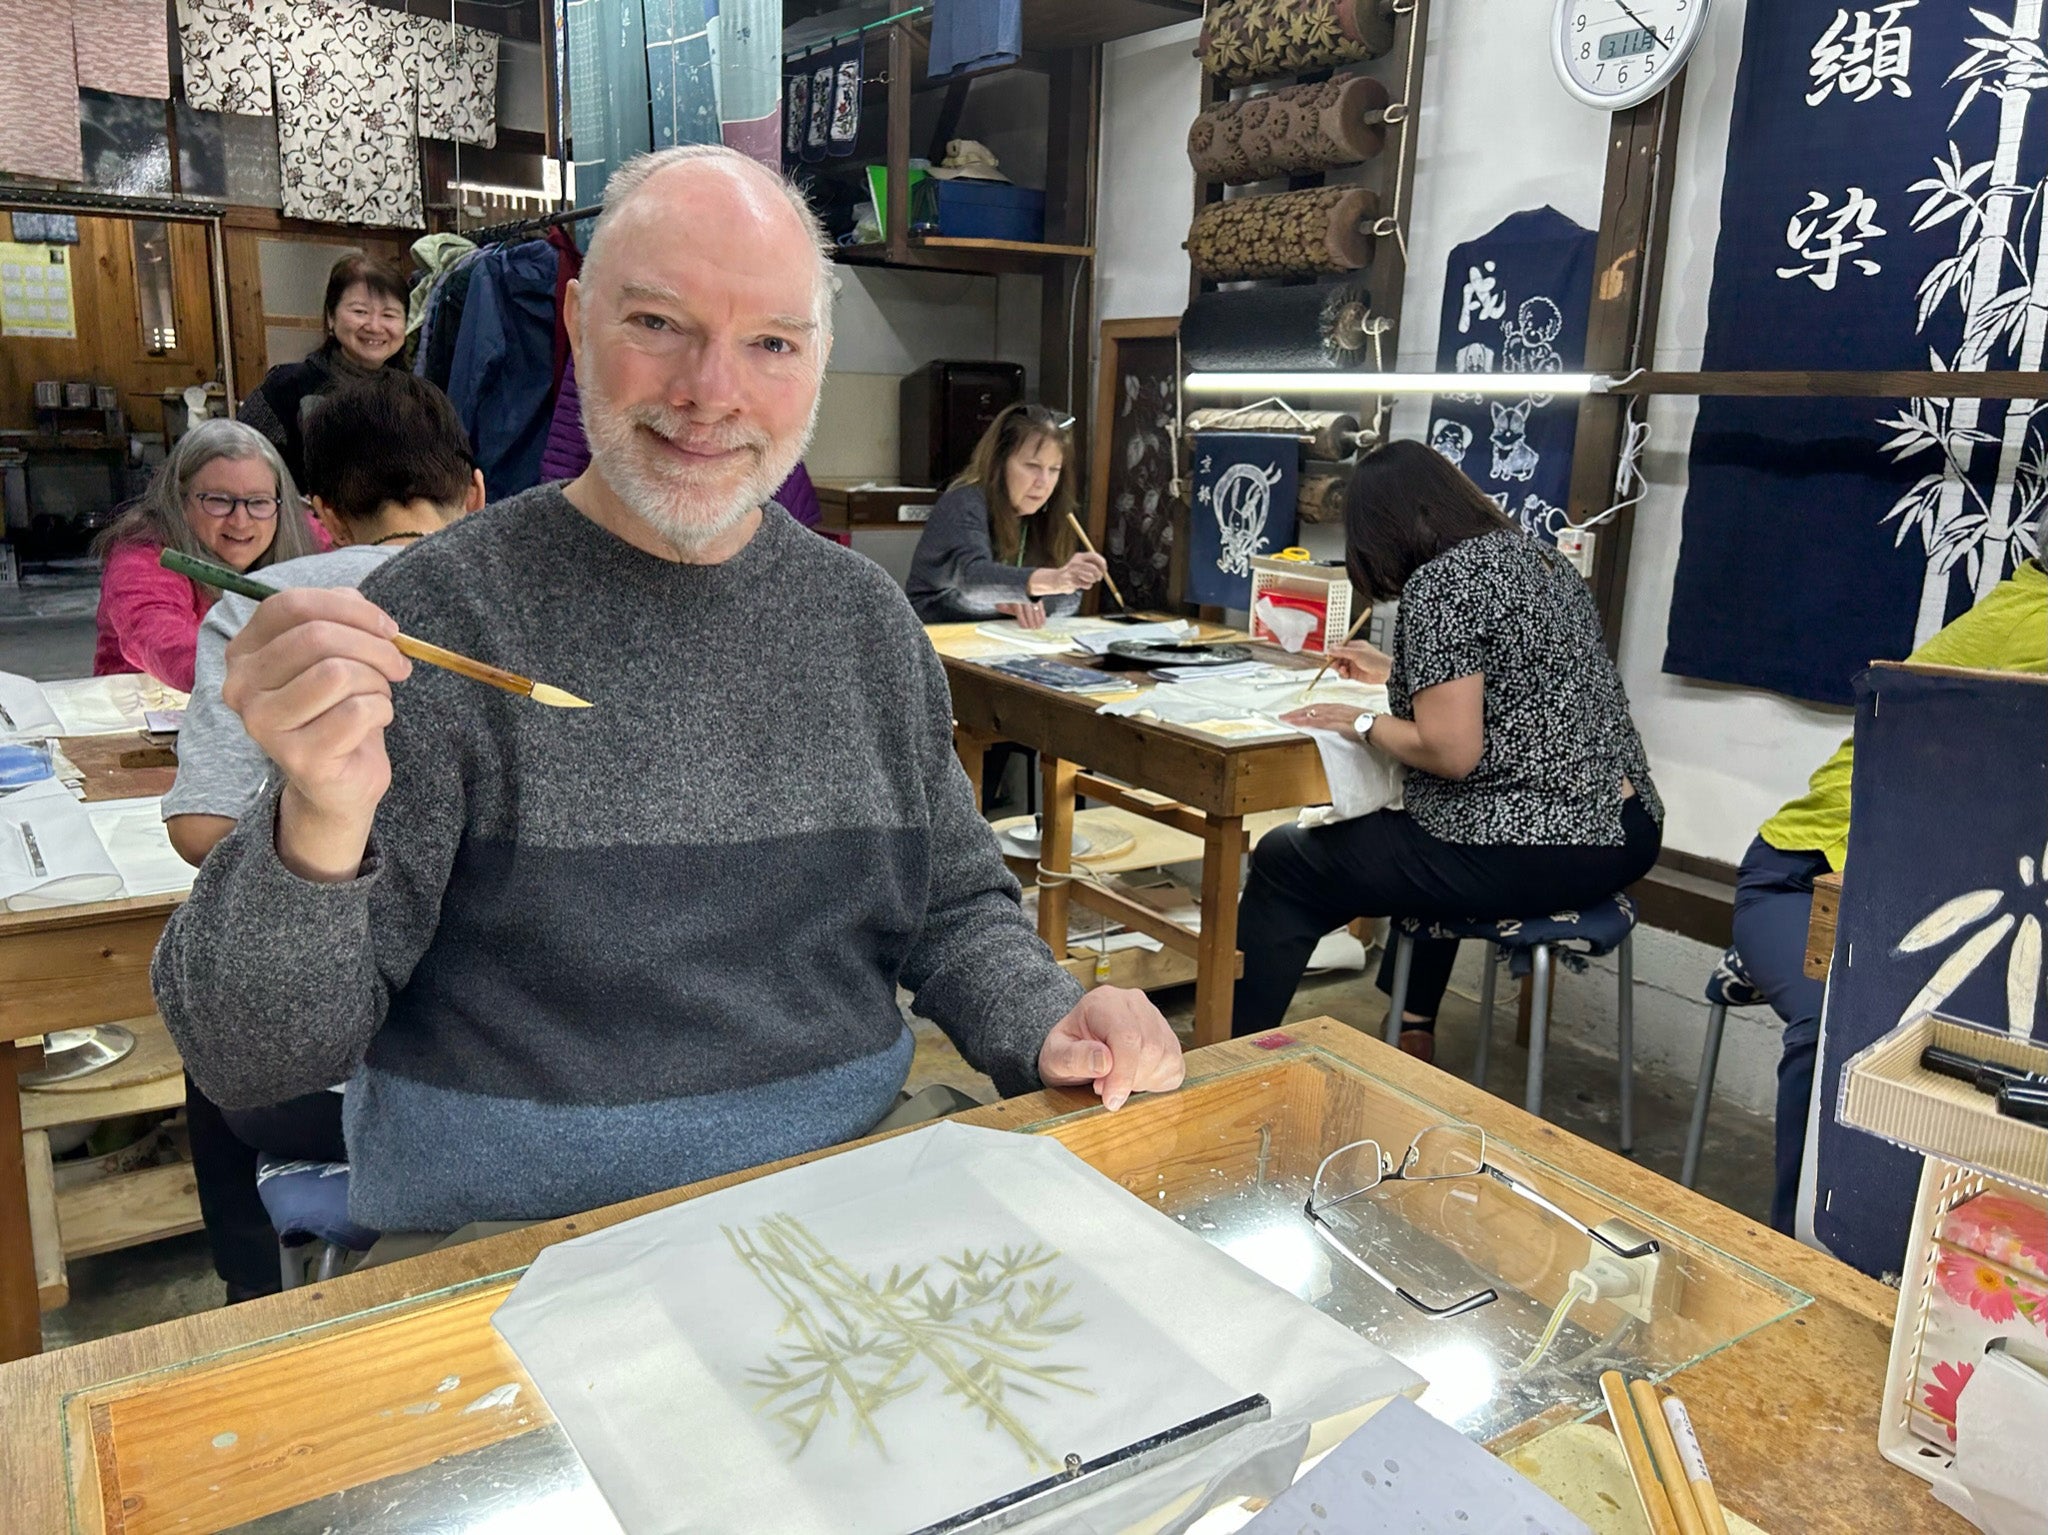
{"points": [[1977, 1261]]}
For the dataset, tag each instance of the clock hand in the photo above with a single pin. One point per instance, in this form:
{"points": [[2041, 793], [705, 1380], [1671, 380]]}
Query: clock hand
{"points": [[1632, 16]]}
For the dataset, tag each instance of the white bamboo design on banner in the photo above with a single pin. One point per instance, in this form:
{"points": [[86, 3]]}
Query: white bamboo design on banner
{"points": [[1955, 523]]}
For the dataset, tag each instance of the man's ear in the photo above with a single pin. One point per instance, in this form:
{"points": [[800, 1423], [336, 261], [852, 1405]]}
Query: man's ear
{"points": [[572, 319], [477, 496], [335, 524]]}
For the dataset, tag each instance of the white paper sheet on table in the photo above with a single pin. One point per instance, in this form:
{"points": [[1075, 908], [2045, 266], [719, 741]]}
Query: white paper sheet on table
{"points": [[98, 706], [24, 710], [657, 1347], [50, 855], [1404, 1473], [1195, 700], [132, 831]]}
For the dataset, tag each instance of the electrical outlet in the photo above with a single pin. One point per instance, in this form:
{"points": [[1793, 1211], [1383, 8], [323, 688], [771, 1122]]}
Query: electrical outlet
{"points": [[1576, 545], [1643, 1286]]}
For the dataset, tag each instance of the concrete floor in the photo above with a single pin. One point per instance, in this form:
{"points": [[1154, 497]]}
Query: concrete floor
{"points": [[144, 1285], [46, 624]]}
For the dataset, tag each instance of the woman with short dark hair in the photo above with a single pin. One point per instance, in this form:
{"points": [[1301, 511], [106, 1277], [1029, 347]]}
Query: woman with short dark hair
{"points": [[1527, 792], [999, 541], [364, 315]]}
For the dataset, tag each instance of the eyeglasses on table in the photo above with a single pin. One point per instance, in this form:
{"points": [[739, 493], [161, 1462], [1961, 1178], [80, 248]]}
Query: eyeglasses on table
{"points": [[1438, 1153]]}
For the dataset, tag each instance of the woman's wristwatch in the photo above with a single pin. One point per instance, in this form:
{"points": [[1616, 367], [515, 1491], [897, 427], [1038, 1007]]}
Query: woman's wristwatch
{"points": [[1363, 725]]}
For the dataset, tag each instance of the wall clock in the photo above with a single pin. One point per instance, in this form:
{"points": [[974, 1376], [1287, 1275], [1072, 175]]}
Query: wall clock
{"points": [[1612, 54]]}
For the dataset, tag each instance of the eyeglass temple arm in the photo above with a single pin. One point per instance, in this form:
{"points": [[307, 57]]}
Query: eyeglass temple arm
{"points": [[1516, 1186], [1434, 1313]]}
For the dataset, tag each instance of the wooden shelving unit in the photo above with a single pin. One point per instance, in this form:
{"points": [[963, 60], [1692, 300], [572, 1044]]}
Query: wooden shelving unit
{"points": [[939, 253]]}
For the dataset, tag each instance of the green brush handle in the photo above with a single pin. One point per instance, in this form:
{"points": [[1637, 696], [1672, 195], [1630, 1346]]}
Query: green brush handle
{"points": [[210, 574]]}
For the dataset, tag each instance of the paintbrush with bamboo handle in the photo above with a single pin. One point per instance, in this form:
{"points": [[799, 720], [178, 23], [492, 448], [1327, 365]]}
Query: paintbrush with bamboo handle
{"points": [[419, 650], [1350, 634], [1107, 579]]}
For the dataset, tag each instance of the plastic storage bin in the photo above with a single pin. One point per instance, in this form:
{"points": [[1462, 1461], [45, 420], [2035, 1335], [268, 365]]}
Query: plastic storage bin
{"points": [[988, 210]]}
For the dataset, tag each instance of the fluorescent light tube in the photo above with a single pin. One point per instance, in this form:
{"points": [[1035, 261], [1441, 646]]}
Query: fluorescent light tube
{"points": [[1398, 383]]}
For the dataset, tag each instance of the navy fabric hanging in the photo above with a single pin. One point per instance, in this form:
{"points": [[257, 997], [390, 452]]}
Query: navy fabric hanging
{"points": [[503, 379], [1915, 845], [1244, 505], [1516, 301], [1877, 213]]}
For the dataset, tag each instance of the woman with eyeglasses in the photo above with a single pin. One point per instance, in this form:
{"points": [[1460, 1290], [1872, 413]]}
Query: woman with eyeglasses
{"points": [[999, 541], [223, 494]]}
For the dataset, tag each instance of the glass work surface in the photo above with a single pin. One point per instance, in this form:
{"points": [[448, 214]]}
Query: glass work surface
{"points": [[1239, 1172], [418, 1418]]}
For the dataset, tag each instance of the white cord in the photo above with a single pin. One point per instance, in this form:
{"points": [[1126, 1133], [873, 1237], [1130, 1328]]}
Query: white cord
{"points": [[1630, 486], [1580, 1288]]}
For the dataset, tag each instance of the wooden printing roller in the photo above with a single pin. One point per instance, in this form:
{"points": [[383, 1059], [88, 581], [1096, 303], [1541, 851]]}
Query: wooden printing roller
{"points": [[1317, 231], [1293, 131], [1323, 434], [1247, 40]]}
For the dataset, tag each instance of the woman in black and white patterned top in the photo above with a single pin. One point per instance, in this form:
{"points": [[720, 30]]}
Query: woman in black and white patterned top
{"points": [[1527, 788]]}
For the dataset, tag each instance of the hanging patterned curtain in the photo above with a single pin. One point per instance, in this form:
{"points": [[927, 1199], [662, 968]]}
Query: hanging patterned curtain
{"points": [[609, 121], [682, 81], [749, 58]]}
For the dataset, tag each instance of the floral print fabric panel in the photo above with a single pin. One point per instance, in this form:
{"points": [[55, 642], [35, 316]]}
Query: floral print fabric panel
{"points": [[225, 46], [121, 46], [347, 110], [457, 75], [39, 93]]}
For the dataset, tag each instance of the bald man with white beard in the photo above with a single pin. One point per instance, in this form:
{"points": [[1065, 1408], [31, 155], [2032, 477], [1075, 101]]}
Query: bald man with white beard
{"points": [[565, 958]]}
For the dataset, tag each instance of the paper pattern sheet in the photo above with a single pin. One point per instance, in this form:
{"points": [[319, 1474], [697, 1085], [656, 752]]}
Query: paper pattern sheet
{"points": [[50, 855], [887, 1337]]}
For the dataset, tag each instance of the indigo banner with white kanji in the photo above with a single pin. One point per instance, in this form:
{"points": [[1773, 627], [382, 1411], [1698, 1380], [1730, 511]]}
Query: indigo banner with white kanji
{"points": [[1516, 301], [1244, 505], [1942, 912], [1883, 209]]}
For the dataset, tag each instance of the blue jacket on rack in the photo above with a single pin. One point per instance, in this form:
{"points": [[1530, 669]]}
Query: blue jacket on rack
{"points": [[503, 380]]}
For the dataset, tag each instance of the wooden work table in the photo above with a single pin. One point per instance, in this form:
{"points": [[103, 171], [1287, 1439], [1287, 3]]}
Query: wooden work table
{"points": [[1195, 781], [1787, 1414]]}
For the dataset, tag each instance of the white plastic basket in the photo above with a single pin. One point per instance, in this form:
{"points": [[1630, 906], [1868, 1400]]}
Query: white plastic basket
{"points": [[1323, 591]]}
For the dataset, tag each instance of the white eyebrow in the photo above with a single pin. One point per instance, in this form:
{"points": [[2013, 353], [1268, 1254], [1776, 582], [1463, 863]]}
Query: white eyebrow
{"points": [[661, 293]]}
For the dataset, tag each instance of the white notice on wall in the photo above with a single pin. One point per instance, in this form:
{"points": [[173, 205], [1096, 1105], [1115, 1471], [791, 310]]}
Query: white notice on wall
{"points": [[35, 292]]}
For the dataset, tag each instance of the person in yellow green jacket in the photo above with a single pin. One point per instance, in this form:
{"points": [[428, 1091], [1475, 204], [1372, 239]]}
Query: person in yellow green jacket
{"points": [[2007, 631]]}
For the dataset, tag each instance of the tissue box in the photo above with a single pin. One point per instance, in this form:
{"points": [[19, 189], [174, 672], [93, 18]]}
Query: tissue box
{"points": [[1989, 1280]]}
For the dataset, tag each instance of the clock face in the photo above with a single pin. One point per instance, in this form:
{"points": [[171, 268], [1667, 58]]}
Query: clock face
{"points": [[1614, 53]]}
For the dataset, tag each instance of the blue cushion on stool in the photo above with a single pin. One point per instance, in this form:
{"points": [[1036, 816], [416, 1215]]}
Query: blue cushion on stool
{"points": [[1730, 984], [308, 1201], [1572, 935]]}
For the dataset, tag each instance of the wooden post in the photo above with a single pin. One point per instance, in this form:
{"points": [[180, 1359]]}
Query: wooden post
{"points": [[1055, 850], [21, 1314], [972, 750], [1066, 298], [896, 232], [1216, 957], [1621, 327]]}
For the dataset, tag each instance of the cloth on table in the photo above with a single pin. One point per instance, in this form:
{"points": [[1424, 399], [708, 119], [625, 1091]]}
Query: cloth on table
{"points": [[122, 46], [39, 93], [503, 380], [224, 46], [973, 35]]}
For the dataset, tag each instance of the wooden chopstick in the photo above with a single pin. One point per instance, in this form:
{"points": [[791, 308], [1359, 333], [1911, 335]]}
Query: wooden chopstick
{"points": [[1696, 1474], [1107, 579], [1664, 1453], [1350, 634], [1642, 1469], [420, 650]]}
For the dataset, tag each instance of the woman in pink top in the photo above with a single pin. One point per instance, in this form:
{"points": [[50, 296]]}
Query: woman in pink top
{"points": [[224, 495]]}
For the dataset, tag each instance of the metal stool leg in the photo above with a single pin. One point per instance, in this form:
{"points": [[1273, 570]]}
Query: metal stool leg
{"points": [[1703, 1095], [291, 1269], [1539, 1028], [1489, 973], [1404, 958], [1625, 1020]]}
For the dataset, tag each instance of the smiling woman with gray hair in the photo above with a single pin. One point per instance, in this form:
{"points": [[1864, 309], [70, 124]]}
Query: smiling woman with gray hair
{"points": [[224, 495]]}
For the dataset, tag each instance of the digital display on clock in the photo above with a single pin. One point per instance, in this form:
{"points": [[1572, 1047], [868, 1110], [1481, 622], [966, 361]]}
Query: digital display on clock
{"points": [[1625, 44]]}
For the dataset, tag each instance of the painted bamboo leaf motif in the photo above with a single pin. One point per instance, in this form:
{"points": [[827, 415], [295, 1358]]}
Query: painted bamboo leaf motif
{"points": [[2023, 977], [862, 1343], [1958, 968], [1948, 919]]}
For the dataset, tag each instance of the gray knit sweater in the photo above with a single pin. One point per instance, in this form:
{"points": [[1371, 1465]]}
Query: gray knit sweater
{"points": [[601, 952]]}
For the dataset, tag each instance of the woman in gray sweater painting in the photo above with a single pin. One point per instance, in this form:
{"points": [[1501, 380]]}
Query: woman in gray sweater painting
{"points": [[1000, 541]]}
